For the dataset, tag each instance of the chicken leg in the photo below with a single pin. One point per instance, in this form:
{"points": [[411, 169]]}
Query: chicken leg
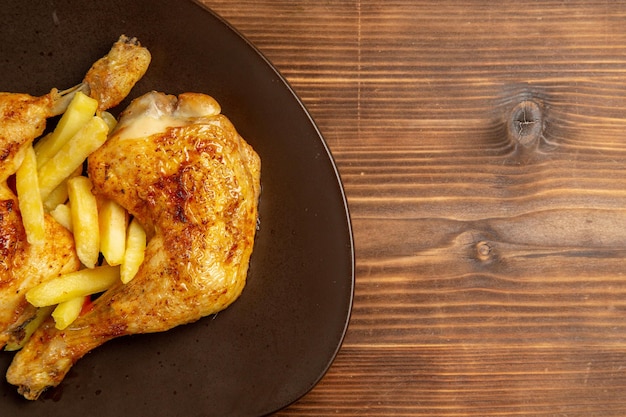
{"points": [[184, 172]]}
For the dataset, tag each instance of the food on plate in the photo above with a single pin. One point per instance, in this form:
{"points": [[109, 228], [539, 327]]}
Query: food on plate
{"points": [[30, 204], [111, 78], [192, 184], [72, 285], [71, 155], [135, 253], [112, 221], [23, 118], [85, 224]]}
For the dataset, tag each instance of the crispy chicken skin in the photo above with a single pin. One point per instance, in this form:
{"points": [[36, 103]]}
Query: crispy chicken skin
{"points": [[111, 78], [22, 119], [185, 173], [23, 266]]}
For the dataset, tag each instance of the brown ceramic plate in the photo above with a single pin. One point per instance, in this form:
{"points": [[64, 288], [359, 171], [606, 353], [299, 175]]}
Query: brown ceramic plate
{"points": [[273, 344]]}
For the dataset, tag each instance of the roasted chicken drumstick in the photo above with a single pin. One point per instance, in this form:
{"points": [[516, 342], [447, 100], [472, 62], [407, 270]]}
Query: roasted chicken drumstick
{"points": [[22, 119], [184, 172]]}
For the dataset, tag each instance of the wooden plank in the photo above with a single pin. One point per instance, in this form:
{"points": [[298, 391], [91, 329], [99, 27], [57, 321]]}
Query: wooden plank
{"points": [[451, 382]]}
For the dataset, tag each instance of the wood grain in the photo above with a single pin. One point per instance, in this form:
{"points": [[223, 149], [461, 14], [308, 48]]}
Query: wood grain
{"points": [[490, 267]]}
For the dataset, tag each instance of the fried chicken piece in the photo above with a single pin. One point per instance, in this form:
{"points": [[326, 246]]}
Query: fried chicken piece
{"points": [[22, 119], [185, 173], [111, 78], [22, 266]]}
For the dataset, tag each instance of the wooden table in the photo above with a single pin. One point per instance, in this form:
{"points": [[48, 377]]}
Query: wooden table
{"points": [[482, 148]]}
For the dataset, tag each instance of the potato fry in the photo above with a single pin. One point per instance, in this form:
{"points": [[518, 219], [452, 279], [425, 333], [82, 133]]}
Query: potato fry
{"points": [[84, 210], [59, 194], [31, 206], [71, 155], [80, 110], [113, 219], [74, 284], [29, 328], [66, 312], [63, 215], [110, 120], [56, 197], [135, 251]]}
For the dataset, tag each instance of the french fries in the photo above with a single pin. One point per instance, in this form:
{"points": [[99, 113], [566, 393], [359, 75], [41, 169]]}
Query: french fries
{"points": [[72, 155], [84, 214], [59, 194], [74, 284], [135, 251], [63, 215], [109, 119], [79, 111], [112, 220], [66, 312], [50, 180], [31, 206]]}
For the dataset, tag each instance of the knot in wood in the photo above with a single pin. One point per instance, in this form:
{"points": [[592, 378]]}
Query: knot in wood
{"points": [[483, 251], [525, 123]]}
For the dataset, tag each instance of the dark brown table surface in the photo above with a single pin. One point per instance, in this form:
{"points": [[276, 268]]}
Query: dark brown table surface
{"points": [[482, 147]]}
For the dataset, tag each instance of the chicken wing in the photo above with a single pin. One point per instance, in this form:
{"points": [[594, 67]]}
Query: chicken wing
{"points": [[22, 119], [111, 78], [185, 173]]}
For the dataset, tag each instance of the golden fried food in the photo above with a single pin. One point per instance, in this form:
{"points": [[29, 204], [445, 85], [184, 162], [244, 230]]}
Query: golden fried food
{"points": [[182, 170], [22, 119]]}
